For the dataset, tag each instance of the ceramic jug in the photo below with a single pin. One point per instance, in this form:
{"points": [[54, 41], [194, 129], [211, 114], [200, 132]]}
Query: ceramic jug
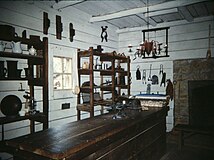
{"points": [[85, 65], [16, 47], [32, 51], [2, 46]]}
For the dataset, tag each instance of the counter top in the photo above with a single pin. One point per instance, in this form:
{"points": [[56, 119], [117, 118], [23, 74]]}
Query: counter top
{"points": [[71, 139]]}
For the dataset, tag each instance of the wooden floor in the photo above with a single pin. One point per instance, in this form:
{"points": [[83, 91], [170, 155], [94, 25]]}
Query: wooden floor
{"points": [[187, 153]]}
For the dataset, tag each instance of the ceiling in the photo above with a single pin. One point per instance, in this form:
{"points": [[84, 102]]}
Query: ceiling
{"points": [[136, 13]]}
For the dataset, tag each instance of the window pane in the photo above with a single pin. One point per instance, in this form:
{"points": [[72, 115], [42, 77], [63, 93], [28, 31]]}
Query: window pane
{"points": [[57, 65], [67, 65], [57, 81], [67, 81], [62, 74]]}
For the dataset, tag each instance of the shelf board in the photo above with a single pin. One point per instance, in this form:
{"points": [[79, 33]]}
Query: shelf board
{"points": [[85, 89], [122, 86], [31, 81], [103, 102], [122, 72], [32, 58], [84, 71], [36, 81], [154, 57], [33, 40], [106, 72], [107, 88], [13, 79], [9, 119], [84, 107]]}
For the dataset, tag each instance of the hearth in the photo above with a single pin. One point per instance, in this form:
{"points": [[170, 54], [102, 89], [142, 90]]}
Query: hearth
{"points": [[201, 102]]}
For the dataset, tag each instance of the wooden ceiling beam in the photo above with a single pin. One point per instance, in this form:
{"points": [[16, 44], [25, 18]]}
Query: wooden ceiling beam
{"points": [[161, 12], [185, 13], [153, 8], [65, 4]]}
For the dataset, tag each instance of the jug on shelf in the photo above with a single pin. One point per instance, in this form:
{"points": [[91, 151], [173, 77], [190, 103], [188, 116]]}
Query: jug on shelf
{"points": [[32, 51], [85, 65], [2, 46], [16, 47]]}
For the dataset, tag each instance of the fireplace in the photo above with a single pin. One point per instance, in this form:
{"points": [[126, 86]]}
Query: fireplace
{"points": [[201, 102]]}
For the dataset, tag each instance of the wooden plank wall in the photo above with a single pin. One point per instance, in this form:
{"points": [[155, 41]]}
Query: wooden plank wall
{"points": [[186, 40], [24, 15]]}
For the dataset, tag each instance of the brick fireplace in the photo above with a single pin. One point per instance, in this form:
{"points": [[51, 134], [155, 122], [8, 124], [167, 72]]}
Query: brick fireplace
{"points": [[193, 89]]}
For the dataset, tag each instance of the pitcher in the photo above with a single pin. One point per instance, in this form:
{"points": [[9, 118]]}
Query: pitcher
{"points": [[2, 46], [3, 70], [16, 47]]}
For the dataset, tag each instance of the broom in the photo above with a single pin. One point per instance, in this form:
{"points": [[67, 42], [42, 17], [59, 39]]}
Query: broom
{"points": [[209, 50]]}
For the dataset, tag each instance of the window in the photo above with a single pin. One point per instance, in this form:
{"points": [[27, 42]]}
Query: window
{"points": [[62, 73]]}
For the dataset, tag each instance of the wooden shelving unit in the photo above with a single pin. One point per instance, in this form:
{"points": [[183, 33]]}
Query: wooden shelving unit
{"points": [[33, 61], [112, 72]]}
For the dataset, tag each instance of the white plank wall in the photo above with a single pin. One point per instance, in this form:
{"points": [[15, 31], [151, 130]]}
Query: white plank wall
{"points": [[28, 16], [186, 40]]}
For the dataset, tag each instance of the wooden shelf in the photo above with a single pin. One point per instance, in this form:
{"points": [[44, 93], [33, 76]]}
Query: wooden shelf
{"points": [[115, 60], [9, 119], [36, 64]]}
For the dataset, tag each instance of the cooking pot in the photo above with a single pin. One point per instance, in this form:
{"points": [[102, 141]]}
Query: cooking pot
{"points": [[10, 105]]}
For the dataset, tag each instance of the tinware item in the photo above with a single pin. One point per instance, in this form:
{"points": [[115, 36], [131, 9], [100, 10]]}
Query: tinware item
{"points": [[161, 69], [12, 69], [148, 47], [144, 77], [32, 51], [3, 70], [154, 79], [149, 78], [148, 89], [30, 104], [163, 81], [16, 47], [11, 105], [2, 46], [138, 73], [85, 65]]}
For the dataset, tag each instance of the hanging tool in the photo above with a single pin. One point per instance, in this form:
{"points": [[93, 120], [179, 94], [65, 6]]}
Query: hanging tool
{"points": [[163, 81], [161, 69], [209, 50], [144, 77], [149, 78], [138, 74]]}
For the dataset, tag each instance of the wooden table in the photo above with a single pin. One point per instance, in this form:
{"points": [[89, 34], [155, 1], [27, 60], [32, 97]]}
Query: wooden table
{"points": [[185, 131], [140, 135]]}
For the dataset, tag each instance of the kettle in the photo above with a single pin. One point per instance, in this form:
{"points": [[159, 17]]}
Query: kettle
{"points": [[16, 47], [2, 46]]}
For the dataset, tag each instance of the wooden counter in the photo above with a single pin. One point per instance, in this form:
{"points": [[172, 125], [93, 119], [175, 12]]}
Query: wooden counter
{"points": [[141, 135]]}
